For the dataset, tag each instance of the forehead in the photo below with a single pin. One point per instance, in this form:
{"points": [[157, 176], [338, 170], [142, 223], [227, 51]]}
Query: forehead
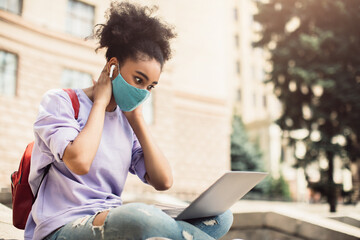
{"points": [[150, 67]]}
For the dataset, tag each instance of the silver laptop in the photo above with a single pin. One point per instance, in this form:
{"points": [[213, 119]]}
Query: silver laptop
{"points": [[219, 197]]}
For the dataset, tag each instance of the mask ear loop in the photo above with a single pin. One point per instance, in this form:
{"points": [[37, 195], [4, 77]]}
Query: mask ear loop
{"points": [[111, 70]]}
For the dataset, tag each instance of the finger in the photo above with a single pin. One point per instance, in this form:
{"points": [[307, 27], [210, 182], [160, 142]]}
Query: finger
{"points": [[104, 71], [104, 75], [107, 68]]}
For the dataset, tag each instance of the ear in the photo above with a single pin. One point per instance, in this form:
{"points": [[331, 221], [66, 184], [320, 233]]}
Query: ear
{"points": [[115, 62]]}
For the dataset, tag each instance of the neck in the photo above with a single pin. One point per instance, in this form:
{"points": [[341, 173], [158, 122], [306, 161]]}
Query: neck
{"points": [[112, 105]]}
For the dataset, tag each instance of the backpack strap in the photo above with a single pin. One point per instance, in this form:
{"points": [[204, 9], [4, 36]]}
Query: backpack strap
{"points": [[74, 100], [76, 106]]}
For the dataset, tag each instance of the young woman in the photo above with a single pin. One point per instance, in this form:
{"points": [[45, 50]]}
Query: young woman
{"points": [[90, 157]]}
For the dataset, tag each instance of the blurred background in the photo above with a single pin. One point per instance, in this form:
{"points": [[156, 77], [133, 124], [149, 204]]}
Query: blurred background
{"points": [[268, 86]]}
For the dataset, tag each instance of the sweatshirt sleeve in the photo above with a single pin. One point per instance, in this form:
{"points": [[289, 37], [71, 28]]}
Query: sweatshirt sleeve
{"points": [[137, 165], [55, 126]]}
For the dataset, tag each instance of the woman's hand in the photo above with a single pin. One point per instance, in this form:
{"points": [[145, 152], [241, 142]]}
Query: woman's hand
{"points": [[102, 89], [134, 115]]}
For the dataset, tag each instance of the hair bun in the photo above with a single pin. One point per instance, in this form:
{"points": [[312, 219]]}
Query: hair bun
{"points": [[128, 24]]}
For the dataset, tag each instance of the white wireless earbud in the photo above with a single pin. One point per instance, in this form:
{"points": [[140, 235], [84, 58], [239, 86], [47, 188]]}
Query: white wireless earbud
{"points": [[111, 70]]}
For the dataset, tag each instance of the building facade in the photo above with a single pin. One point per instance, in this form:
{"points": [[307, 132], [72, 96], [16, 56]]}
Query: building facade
{"points": [[42, 47], [256, 103], [214, 73]]}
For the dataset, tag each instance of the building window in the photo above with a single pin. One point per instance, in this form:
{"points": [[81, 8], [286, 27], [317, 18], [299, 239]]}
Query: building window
{"points": [[237, 41], [238, 95], [8, 71], [236, 14], [265, 101], [148, 110], [80, 18], [238, 67], [14, 6], [75, 79]]}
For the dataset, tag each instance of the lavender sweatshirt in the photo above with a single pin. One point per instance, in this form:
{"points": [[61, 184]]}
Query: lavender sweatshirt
{"points": [[63, 195]]}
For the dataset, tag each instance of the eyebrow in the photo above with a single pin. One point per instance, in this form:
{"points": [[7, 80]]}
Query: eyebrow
{"points": [[144, 75]]}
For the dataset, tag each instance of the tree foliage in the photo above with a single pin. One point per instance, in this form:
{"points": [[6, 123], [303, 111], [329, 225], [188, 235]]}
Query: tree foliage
{"points": [[315, 57], [245, 156]]}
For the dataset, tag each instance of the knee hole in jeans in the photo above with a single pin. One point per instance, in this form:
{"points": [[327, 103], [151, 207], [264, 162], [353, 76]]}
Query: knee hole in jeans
{"points": [[99, 219]]}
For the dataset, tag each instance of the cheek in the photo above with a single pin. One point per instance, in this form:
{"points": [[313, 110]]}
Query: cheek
{"points": [[132, 83], [128, 80]]}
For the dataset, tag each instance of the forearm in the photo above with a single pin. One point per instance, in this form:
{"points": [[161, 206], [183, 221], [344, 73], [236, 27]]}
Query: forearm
{"points": [[159, 173], [80, 153]]}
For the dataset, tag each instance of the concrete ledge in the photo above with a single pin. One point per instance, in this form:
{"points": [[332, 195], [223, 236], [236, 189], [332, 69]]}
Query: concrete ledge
{"points": [[7, 230], [273, 222], [352, 219], [5, 197], [257, 220]]}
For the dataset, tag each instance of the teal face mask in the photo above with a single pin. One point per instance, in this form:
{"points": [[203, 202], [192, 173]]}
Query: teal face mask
{"points": [[127, 97]]}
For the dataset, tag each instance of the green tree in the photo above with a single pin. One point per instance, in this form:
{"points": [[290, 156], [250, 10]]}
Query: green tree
{"points": [[277, 189], [315, 55], [245, 156]]}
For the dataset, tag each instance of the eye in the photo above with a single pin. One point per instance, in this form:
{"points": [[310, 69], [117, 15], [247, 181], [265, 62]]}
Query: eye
{"points": [[138, 80], [150, 87]]}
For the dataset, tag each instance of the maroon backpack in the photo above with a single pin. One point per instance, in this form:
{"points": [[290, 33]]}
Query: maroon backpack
{"points": [[22, 196]]}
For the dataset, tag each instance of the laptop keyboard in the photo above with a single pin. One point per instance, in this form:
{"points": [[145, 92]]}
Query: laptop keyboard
{"points": [[173, 212], [170, 209]]}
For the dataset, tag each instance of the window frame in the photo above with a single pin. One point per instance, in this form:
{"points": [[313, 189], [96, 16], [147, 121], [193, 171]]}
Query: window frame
{"points": [[71, 19], [238, 67], [236, 14], [65, 68], [16, 74], [21, 4], [237, 41]]}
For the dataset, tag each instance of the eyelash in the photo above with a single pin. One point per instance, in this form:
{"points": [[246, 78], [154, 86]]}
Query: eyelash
{"points": [[140, 81]]}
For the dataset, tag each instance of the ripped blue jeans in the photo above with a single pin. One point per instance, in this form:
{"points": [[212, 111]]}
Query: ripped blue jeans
{"points": [[142, 221]]}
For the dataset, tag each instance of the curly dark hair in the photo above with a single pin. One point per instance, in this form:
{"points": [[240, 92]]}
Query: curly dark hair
{"points": [[132, 32]]}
